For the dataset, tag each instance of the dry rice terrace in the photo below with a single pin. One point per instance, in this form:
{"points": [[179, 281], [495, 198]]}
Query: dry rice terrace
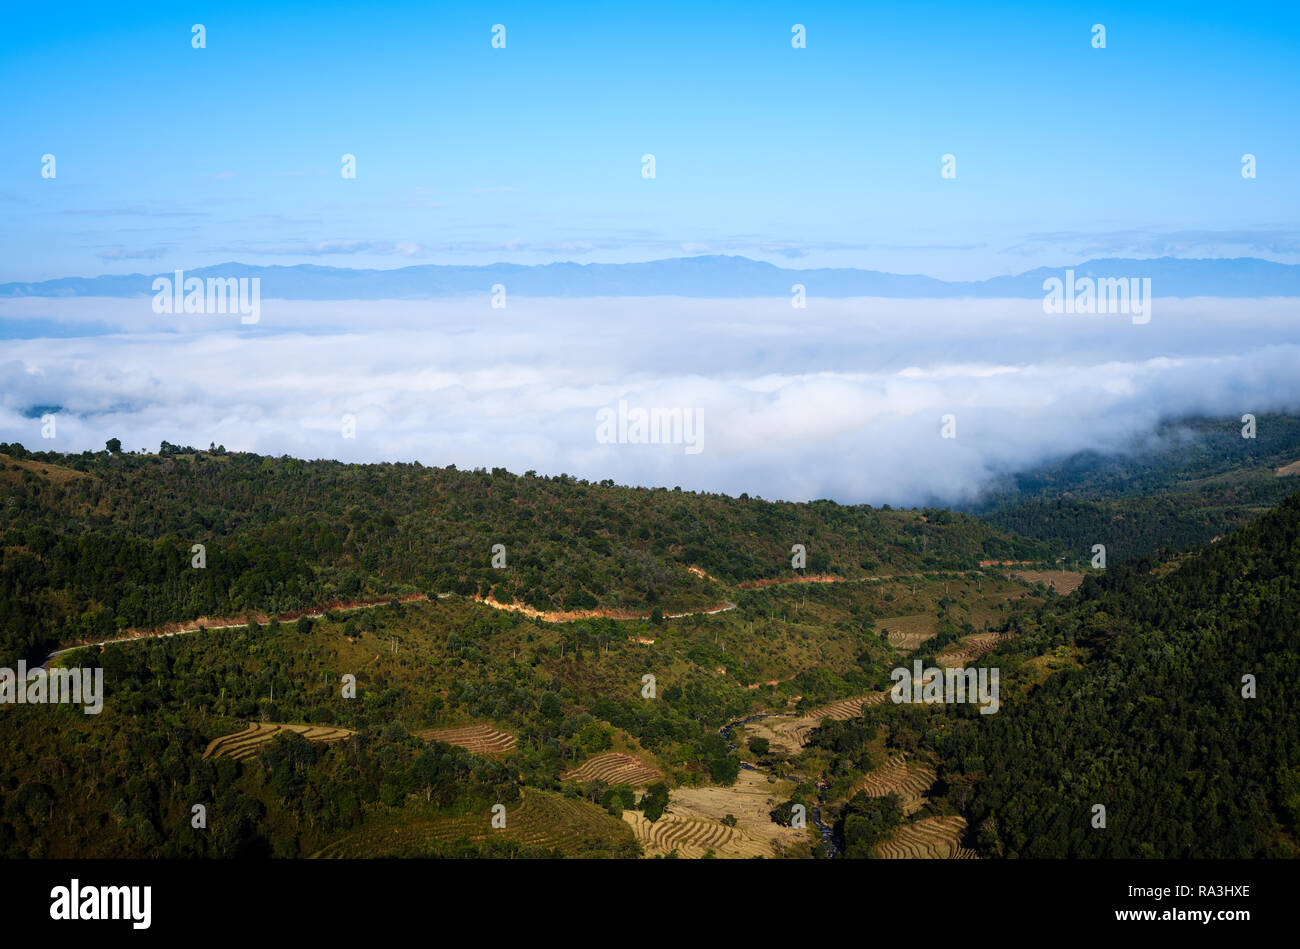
{"points": [[244, 744], [615, 767]]}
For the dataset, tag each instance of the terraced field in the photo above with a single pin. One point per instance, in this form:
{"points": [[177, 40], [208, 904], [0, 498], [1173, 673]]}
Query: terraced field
{"points": [[244, 744], [845, 709], [750, 801], [898, 776], [614, 767], [933, 838], [791, 734], [1063, 582], [908, 632], [692, 837], [779, 731], [971, 648], [799, 733], [476, 739], [542, 819]]}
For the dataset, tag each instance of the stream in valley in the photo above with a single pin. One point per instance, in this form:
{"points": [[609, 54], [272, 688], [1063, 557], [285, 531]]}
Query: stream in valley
{"points": [[827, 836]]}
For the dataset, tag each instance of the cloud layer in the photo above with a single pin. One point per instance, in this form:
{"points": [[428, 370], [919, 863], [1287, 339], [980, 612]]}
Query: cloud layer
{"points": [[844, 399]]}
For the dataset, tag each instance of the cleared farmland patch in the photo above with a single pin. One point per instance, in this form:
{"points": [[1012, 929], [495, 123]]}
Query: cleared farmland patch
{"points": [[541, 819], [750, 800], [908, 632], [932, 838], [1063, 582], [693, 837], [908, 780], [615, 767], [845, 709], [787, 735], [971, 648], [244, 744], [476, 739], [783, 734], [791, 734]]}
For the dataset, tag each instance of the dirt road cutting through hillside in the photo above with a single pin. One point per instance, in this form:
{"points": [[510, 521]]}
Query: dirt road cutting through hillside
{"points": [[552, 616], [205, 624]]}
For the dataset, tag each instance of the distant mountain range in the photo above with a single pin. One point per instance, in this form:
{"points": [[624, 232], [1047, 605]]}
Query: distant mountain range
{"points": [[706, 277]]}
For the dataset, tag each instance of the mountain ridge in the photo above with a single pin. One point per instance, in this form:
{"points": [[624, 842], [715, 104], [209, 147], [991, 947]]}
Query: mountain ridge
{"points": [[706, 276]]}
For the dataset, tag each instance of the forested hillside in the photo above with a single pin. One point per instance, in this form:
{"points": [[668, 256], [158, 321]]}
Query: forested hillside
{"points": [[564, 692], [97, 543], [1145, 714], [1125, 693], [1180, 487]]}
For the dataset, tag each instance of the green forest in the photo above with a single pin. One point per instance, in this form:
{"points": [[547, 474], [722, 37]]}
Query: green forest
{"points": [[98, 543], [1159, 689], [1148, 715], [1182, 486]]}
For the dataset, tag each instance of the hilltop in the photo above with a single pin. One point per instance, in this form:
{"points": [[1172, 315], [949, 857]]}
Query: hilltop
{"points": [[99, 543]]}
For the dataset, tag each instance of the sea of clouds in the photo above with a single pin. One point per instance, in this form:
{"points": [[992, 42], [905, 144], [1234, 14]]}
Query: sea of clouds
{"points": [[843, 399]]}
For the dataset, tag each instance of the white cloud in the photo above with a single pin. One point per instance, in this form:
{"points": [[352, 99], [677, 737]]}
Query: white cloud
{"points": [[842, 400]]}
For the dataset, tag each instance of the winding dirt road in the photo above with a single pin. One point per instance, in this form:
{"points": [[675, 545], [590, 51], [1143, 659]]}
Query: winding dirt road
{"points": [[556, 616]]}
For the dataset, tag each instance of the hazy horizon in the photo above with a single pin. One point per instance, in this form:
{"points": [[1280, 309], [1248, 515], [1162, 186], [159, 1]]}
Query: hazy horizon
{"points": [[831, 153], [957, 142]]}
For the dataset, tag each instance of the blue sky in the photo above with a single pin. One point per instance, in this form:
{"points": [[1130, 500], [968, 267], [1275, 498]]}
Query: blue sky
{"points": [[169, 156], [174, 157]]}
